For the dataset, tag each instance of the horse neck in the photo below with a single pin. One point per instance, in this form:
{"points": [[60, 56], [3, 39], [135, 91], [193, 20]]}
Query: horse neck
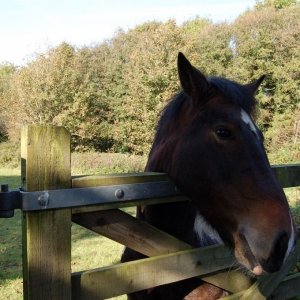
{"points": [[161, 157], [177, 219]]}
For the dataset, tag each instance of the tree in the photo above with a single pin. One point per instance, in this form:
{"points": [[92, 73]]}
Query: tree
{"points": [[62, 87], [267, 42], [147, 59], [278, 4], [110, 96], [6, 72]]}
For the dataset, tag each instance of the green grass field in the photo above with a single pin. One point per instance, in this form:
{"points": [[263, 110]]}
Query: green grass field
{"points": [[89, 250]]}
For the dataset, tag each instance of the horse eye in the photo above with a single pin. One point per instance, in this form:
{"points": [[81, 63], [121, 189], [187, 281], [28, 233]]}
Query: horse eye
{"points": [[223, 133]]}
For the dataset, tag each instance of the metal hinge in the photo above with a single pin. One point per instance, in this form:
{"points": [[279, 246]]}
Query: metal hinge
{"points": [[9, 201]]}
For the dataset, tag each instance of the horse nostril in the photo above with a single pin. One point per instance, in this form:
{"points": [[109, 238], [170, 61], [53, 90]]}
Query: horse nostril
{"points": [[274, 261]]}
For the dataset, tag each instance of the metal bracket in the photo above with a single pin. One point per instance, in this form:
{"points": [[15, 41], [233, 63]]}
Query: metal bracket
{"points": [[68, 198], [9, 201]]}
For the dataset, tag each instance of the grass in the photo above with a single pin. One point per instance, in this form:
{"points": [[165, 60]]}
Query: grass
{"points": [[11, 245], [9, 155], [92, 163], [89, 250]]}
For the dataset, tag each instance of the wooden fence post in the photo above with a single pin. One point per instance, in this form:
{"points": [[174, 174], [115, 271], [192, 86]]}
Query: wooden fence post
{"points": [[45, 165]]}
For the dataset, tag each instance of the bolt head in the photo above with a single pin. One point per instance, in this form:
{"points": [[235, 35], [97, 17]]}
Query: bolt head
{"points": [[119, 194], [43, 199]]}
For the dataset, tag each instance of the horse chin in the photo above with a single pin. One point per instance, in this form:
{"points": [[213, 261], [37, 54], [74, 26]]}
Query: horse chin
{"points": [[253, 268], [242, 250], [246, 258]]}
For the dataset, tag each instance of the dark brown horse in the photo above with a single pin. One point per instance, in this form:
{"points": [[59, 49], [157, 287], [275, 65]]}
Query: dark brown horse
{"points": [[209, 145]]}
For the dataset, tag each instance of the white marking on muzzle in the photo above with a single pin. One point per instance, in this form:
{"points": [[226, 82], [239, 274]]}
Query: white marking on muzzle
{"points": [[205, 233], [291, 240], [248, 120]]}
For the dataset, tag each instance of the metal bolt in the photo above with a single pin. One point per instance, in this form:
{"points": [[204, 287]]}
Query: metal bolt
{"points": [[43, 199], [119, 194]]}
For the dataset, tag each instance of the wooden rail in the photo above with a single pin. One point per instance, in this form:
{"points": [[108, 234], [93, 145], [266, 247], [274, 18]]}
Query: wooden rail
{"points": [[47, 236]]}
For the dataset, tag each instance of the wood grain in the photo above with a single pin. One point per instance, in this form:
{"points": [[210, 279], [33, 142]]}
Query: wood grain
{"points": [[45, 158]]}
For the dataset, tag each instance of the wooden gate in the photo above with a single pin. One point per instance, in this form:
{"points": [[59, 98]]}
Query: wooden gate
{"points": [[45, 154]]}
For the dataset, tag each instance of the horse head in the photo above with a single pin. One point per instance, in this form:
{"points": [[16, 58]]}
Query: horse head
{"points": [[210, 146]]}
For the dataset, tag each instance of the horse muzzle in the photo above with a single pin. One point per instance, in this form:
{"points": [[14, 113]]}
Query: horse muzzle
{"points": [[264, 253]]}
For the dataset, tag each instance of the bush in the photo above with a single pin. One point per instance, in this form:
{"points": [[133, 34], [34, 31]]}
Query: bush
{"points": [[110, 96], [9, 155], [106, 163]]}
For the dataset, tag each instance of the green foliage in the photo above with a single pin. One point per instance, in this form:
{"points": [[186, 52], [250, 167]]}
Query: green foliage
{"points": [[110, 96], [212, 49], [264, 46], [9, 155], [63, 87], [194, 26], [6, 71], [148, 65], [278, 4], [106, 163], [89, 250]]}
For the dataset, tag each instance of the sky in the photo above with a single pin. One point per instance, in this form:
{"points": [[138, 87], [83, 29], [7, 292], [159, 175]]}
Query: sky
{"points": [[28, 27]]}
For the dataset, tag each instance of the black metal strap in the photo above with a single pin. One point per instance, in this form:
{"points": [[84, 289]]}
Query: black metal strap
{"points": [[68, 198]]}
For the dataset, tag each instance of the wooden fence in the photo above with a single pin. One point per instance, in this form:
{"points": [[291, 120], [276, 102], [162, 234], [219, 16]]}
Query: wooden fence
{"points": [[45, 153]]}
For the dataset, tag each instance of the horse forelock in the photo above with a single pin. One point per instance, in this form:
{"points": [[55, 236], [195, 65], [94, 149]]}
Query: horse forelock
{"points": [[235, 93]]}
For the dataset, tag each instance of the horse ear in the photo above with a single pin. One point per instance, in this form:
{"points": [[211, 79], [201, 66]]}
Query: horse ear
{"points": [[193, 82], [253, 87]]}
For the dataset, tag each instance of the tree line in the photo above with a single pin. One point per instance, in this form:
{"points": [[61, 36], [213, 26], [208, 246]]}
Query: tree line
{"points": [[110, 95]]}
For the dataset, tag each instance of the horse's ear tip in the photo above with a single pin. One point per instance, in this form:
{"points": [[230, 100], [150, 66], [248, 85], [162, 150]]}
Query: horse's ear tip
{"points": [[181, 56], [182, 60], [262, 77], [253, 87], [260, 80]]}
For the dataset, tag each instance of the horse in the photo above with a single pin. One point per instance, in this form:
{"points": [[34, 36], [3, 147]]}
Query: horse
{"points": [[209, 145]]}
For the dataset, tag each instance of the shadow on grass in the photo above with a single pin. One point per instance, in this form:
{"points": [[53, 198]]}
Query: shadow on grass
{"points": [[79, 233], [11, 247]]}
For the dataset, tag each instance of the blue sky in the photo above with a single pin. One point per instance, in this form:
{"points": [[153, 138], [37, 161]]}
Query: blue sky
{"points": [[32, 26]]}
